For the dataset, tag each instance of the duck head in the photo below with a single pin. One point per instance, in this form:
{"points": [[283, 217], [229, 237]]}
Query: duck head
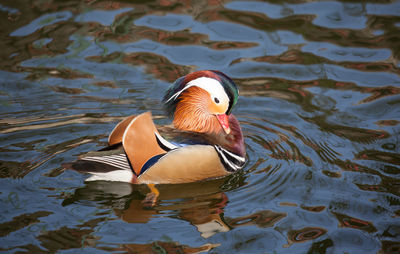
{"points": [[202, 102]]}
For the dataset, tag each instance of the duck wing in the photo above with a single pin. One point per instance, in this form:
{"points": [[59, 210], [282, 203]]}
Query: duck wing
{"points": [[110, 165], [134, 146], [117, 133], [140, 142]]}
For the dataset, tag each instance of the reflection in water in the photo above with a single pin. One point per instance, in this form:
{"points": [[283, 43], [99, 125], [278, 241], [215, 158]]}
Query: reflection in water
{"points": [[201, 204], [157, 65], [304, 234], [165, 247], [346, 221], [354, 134], [64, 238], [319, 85], [21, 221]]}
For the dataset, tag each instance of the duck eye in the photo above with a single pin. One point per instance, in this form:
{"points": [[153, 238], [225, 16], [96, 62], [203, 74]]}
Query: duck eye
{"points": [[216, 100]]}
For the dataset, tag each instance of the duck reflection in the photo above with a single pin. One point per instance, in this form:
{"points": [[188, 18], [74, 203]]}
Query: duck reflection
{"points": [[205, 212], [201, 204]]}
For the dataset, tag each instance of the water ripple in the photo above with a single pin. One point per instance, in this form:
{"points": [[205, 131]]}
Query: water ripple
{"points": [[319, 93]]}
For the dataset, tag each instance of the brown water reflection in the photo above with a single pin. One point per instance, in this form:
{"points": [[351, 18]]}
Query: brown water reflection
{"points": [[347, 221], [302, 24], [201, 204], [304, 234], [157, 65], [295, 56], [319, 93]]}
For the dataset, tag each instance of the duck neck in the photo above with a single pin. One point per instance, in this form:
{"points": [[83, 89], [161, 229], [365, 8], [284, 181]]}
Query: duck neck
{"points": [[234, 141]]}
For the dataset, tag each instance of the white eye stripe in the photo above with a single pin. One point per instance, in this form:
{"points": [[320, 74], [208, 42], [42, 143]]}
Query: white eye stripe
{"points": [[212, 86]]}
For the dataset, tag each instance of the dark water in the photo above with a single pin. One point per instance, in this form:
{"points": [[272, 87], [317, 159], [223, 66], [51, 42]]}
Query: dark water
{"points": [[319, 106]]}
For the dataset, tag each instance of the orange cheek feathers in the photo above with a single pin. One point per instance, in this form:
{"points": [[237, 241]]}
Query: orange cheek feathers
{"points": [[223, 120], [217, 109]]}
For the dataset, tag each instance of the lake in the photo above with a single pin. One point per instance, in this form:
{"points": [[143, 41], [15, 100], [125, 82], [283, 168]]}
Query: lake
{"points": [[319, 107]]}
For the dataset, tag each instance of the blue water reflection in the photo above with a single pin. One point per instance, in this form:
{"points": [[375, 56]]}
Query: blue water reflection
{"points": [[319, 108]]}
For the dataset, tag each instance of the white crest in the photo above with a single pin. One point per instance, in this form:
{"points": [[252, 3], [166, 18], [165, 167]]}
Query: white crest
{"points": [[212, 86]]}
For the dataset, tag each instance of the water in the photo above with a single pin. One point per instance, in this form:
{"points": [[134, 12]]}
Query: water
{"points": [[319, 107]]}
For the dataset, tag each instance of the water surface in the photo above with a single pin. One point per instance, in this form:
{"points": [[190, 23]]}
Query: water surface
{"points": [[319, 106]]}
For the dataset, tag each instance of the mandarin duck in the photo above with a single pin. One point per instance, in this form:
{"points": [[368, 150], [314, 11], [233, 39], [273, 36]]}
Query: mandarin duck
{"points": [[206, 141]]}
